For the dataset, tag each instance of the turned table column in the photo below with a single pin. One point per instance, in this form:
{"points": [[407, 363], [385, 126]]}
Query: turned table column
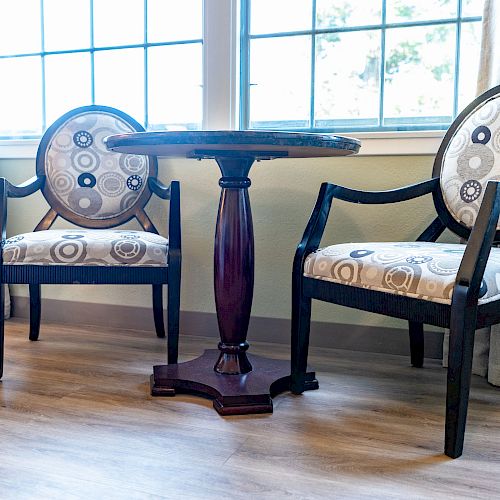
{"points": [[233, 265]]}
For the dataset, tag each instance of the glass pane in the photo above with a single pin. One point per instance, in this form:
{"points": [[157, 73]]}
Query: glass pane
{"points": [[472, 8], [330, 13], [470, 46], [67, 83], [67, 24], [347, 85], [119, 80], [275, 16], [425, 55], [21, 96], [418, 10], [20, 27], [280, 82], [171, 21], [175, 98], [118, 22]]}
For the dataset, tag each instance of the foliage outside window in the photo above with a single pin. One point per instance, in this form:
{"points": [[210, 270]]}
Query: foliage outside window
{"points": [[370, 65]]}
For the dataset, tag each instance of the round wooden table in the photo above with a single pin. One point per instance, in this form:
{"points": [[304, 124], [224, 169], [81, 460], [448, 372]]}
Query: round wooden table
{"points": [[239, 383]]}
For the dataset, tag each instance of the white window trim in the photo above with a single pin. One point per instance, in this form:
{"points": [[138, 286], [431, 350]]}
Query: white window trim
{"points": [[385, 144], [18, 148], [221, 94], [221, 64], [399, 143]]}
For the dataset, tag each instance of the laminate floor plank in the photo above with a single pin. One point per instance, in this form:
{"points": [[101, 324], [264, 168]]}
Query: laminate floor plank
{"points": [[77, 422]]}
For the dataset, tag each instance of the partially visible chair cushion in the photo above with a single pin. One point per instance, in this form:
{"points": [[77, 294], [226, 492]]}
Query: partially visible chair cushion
{"points": [[419, 270], [86, 247]]}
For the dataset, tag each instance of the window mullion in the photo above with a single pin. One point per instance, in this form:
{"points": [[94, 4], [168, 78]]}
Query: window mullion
{"points": [[42, 61], [146, 75], [382, 63], [458, 34], [92, 61], [244, 86], [220, 44], [313, 66]]}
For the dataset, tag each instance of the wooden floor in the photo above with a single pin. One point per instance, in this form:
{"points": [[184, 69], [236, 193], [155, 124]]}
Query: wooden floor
{"points": [[77, 421]]}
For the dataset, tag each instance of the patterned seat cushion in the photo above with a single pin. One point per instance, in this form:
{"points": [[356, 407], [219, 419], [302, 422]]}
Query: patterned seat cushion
{"points": [[419, 270], [86, 247]]}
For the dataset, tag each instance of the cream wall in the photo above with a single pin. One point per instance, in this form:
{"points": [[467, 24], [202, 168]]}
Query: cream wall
{"points": [[283, 193]]}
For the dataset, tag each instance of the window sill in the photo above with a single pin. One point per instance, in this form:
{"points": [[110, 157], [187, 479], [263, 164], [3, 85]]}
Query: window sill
{"points": [[399, 143], [18, 148], [372, 144]]}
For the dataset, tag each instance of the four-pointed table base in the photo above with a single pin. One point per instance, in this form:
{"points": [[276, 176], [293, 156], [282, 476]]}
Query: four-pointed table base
{"points": [[232, 394]]}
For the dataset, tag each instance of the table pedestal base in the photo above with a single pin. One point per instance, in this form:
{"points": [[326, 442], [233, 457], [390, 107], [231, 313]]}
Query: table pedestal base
{"points": [[232, 394]]}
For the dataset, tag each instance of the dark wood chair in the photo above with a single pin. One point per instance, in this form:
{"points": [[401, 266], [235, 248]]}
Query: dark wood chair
{"points": [[96, 190], [447, 285]]}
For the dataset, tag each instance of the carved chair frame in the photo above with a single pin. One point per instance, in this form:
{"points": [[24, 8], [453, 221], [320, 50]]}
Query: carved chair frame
{"points": [[36, 275], [463, 316]]}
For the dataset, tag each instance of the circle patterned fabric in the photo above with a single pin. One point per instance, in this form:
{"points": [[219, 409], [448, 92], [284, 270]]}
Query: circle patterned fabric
{"points": [[471, 159], [86, 178], [419, 270], [87, 247]]}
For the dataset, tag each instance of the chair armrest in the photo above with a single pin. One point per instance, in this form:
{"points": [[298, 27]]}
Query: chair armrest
{"points": [[315, 227], [317, 222], [26, 188], [382, 197], [158, 188], [477, 250], [174, 222], [3, 212], [171, 193], [8, 190]]}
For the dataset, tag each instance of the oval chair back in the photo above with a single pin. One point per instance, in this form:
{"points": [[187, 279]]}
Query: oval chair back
{"points": [[85, 183], [468, 158]]}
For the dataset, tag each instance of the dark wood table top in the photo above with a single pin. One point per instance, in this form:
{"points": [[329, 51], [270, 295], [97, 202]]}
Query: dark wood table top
{"points": [[190, 143]]}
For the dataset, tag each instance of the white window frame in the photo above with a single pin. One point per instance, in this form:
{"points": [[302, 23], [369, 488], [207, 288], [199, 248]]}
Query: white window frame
{"points": [[221, 26]]}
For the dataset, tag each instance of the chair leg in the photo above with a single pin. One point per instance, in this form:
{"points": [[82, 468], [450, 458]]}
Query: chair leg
{"points": [[301, 324], [158, 310], [416, 343], [458, 386], [173, 312], [2, 326], [35, 311]]}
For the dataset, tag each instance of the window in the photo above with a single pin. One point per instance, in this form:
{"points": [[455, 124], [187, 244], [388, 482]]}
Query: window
{"points": [[173, 64], [364, 65], [141, 56]]}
